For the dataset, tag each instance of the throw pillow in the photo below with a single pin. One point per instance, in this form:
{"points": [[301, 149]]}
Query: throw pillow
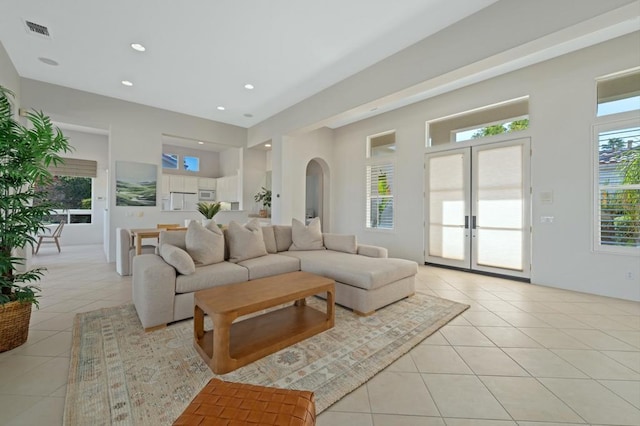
{"points": [[283, 237], [205, 245], [306, 237], [340, 242], [269, 239], [177, 258], [245, 242]]}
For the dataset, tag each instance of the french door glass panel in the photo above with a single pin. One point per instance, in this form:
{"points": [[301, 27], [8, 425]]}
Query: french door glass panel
{"points": [[448, 208], [498, 185], [478, 208]]}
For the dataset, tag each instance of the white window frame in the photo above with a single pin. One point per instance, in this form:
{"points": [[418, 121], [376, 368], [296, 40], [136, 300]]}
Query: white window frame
{"points": [[377, 135], [604, 124], [380, 161]]}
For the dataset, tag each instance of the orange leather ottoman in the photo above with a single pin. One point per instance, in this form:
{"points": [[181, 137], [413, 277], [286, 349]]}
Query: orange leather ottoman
{"points": [[222, 403]]}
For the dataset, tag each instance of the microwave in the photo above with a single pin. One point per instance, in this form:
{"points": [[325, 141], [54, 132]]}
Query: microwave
{"points": [[207, 195]]}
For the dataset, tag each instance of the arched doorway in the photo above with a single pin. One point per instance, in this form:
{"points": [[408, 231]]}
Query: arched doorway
{"points": [[317, 191]]}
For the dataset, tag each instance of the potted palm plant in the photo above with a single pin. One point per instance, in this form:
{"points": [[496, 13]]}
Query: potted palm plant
{"points": [[208, 210], [25, 155], [264, 197]]}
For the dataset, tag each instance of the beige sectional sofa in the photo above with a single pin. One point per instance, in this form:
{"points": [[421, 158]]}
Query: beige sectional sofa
{"points": [[366, 279]]}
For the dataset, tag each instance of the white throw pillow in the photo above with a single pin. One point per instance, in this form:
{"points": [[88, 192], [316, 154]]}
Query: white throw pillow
{"points": [[177, 258], [205, 245], [306, 237], [340, 242], [245, 242]]}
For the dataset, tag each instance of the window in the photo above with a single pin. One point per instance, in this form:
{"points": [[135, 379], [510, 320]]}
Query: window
{"points": [[380, 201], [618, 186], [508, 126], [619, 94], [169, 161], [191, 164], [71, 191], [505, 117], [381, 144]]}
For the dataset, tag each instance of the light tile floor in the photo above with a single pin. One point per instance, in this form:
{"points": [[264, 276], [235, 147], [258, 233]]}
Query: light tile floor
{"points": [[521, 355]]}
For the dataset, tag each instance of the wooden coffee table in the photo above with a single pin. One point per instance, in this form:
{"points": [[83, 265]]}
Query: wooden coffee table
{"points": [[231, 345]]}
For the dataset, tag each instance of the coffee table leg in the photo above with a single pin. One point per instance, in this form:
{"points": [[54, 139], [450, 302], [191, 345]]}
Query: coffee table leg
{"points": [[221, 361], [198, 323], [331, 307], [301, 302]]}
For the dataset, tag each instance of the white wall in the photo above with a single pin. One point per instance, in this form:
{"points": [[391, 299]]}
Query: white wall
{"points": [[135, 134], [290, 156], [230, 161], [254, 165], [9, 77], [562, 111]]}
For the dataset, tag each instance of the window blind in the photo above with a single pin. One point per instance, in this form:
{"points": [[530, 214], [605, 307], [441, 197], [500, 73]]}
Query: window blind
{"points": [[380, 201], [619, 187], [622, 87], [75, 167]]}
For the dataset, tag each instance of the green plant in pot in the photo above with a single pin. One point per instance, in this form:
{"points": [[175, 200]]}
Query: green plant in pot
{"points": [[264, 197], [26, 152], [209, 210]]}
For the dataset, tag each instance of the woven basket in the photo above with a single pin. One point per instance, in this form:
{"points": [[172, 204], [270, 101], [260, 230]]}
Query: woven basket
{"points": [[14, 324]]}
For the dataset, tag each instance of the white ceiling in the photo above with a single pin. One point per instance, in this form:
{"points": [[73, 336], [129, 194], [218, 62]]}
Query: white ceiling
{"points": [[201, 53]]}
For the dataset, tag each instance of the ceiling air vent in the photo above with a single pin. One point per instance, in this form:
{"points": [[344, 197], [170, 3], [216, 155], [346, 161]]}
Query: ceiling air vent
{"points": [[37, 29]]}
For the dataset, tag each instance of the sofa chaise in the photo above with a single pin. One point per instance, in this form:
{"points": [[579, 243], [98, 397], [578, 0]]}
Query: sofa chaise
{"points": [[164, 284]]}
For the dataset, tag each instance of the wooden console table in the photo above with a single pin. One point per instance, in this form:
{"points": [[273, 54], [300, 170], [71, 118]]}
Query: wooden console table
{"points": [[231, 345]]}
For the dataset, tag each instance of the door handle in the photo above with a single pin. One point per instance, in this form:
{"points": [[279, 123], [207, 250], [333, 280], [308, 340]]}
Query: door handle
{"points": [[466, 222], [473, 222]]}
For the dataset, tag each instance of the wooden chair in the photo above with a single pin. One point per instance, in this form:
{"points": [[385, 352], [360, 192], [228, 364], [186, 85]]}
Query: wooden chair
{"points": [[51, 238]]}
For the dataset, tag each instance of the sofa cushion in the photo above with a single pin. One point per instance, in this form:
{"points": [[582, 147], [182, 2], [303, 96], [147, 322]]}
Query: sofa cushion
{"points": [[359, 271], [175, 238], [283, 237], [340, 242], [269, 236], [245, 242], [306, 237], [210, 276], [269, 265], [177, 258], [205, 245]]}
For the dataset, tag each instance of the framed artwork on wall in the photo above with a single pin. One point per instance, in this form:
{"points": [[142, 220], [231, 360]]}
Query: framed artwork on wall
{"points": [[136, 184]]}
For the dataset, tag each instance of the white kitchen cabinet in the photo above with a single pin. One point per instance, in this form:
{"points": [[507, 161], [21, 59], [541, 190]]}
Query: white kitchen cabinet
{"points": [[180, 183], [207, 183], [227, 189], [190, 184], [164, 188]]}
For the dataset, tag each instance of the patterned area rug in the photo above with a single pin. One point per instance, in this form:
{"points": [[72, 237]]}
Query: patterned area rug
{"points": [[121, 375]]}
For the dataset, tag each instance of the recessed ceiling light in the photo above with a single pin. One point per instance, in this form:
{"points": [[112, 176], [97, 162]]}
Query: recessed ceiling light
{"points": [[127, 83], [138, 47], [248, 86], [48, 61], [248, 115], [267, 145], [221, 108], [200, 143]]}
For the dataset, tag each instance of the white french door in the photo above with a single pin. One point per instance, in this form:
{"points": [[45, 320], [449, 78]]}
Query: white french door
{"points": [[478, 208]]}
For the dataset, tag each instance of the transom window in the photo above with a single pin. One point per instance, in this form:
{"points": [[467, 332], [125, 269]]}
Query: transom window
{"points": [[505, 117], [620, 93], [381, 144]]}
